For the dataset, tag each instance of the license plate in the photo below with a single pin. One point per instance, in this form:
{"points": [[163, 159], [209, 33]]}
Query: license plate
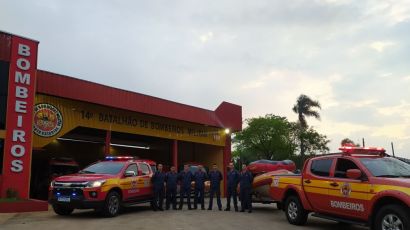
{"points": [[63, 199]]}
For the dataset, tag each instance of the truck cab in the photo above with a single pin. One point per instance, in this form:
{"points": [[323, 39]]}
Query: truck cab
{"points": [[105, 186]]}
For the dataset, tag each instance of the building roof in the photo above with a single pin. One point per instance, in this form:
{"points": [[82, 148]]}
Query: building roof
{"points": [[226, 115]]}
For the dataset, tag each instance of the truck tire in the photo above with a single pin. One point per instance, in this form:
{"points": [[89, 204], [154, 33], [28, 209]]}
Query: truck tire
{"points": [[61, 210], [112, 204], [294, 211], [394, 217]]}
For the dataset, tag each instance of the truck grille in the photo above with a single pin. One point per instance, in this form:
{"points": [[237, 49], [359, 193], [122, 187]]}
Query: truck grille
{"points": [[70, 184]]}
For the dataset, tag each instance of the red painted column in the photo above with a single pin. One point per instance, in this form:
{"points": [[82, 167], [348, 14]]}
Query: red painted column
{"points": [[19, 117], [107, 143], [227, 155], [175, 154]]}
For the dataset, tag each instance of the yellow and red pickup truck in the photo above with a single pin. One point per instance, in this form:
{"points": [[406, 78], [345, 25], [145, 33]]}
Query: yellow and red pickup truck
{"points": [[105, 186], [357, 186]]}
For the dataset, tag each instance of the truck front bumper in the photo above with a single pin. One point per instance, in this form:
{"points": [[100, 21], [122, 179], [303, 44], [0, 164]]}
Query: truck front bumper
{"points": [[75, 199]]}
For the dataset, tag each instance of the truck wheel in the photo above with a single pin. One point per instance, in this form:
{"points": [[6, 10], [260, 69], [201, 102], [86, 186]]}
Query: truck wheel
{"points": [[295, 213], [62, 211], [392, 217], [112, 205]]}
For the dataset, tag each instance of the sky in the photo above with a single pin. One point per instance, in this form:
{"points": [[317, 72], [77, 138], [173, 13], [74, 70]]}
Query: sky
{"points": [[352, 56]]}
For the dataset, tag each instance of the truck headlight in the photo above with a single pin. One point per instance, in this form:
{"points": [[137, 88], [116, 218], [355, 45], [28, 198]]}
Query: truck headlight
{"points": [[95, 184]]}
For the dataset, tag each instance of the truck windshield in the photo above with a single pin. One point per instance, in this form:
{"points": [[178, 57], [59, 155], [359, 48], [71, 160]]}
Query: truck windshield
{"points": [[110, 167], [386, 167]]}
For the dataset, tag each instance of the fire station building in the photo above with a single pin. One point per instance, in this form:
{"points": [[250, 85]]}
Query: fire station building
{"points": [[50, 120]]}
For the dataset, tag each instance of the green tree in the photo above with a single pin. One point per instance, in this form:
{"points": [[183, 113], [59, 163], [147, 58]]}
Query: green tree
{"points": [[304, 107], [348, 141], [268, 137], [314, 143]]}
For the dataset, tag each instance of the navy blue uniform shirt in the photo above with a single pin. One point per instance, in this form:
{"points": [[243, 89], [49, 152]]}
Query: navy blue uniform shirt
{"points": [[215, 177], [186, 178], [158, 180], [246, 180], [172, 180], [200, 178], [233, 178]]}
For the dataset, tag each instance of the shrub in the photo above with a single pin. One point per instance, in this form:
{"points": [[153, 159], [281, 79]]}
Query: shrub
{"points": [[11, 193]]}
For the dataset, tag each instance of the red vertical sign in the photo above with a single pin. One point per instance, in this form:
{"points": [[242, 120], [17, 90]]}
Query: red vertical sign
{"points": [[20, 104]]}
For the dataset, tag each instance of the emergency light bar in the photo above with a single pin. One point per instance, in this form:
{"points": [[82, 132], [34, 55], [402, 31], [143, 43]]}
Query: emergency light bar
{"points": [[362, 150], [118, 158]]}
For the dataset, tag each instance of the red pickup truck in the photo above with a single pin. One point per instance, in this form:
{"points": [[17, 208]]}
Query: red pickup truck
{"points": [[105, 186], [357, 186]]}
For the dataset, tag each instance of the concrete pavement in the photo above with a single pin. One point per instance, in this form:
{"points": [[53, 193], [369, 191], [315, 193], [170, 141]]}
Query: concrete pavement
{"points": [[141, 217]]}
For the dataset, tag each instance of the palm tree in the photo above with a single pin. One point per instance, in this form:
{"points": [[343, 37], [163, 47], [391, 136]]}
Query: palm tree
{"points": [[304, 107]]}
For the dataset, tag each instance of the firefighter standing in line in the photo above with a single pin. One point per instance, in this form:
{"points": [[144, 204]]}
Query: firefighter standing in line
{"points": [[233, 180], [215, 176], [171, 179], [200, 177], [186, 178], [246, 180], [158, 180]]}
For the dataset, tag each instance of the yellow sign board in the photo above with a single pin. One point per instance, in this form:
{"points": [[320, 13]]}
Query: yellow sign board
{"points": [[54, 117]]}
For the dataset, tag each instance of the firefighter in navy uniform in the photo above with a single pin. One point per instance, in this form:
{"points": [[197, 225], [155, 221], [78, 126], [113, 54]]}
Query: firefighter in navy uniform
{"points": [[185, 178], [233, 180], [200, 178], [215, 176], [245, 184], [158, 180], [171, 180]]}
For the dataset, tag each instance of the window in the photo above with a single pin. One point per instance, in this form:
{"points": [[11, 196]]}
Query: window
{"points": [[106, 167], [1, 155], [144, 169], [386, 167], [133, 168], [321, 167], [4, 82], [342, 166]]}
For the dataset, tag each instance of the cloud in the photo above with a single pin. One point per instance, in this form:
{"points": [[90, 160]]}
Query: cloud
{"points": [[406, 78], [399, 131], [393, 11], [380, 46], [204, 38], [400, 110]]}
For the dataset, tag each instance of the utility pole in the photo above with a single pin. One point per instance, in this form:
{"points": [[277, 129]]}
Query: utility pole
{"points": [[392, 148], [363, 143]]}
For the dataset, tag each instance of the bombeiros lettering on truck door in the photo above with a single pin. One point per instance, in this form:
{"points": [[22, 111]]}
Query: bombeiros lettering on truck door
{"points": [[347, 205]]}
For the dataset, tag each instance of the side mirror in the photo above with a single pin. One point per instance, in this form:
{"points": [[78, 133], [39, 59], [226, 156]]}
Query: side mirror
{"points": [[354, 174], [129, 174]]}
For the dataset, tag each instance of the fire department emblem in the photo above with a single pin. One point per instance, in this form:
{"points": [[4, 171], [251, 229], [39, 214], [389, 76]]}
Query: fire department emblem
{"points": [[48, 120], [345, 190], [134, 184]]}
